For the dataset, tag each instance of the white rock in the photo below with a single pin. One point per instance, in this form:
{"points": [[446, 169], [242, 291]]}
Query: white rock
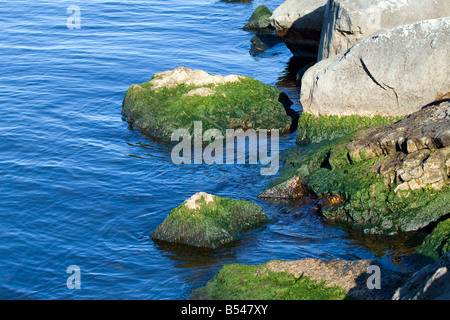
{"points": [[348, 21], [193, 202], [395, 72]]}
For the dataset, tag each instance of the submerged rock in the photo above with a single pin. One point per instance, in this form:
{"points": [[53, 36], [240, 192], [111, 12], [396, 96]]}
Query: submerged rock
{"points": [[209, 221], [392, 73], [391, 179], [306, 279], [299, 24], [176, 98], [348, 21], [263, 42]]}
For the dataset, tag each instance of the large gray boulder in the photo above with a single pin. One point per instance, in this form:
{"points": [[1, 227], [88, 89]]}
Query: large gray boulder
{"points": [[299, 24], [348, 21], [391, 73]]}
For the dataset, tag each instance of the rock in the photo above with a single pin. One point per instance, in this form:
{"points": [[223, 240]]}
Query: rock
{"points": [[176, 98], [263, 42], [386, 186], [301, 72], [348, 21], [299, 24], [432, 282], [434, 246], [194, 202], [260, 19], [392, 73], [306, 279], [204, 92], [208, 221], [198, 78]]}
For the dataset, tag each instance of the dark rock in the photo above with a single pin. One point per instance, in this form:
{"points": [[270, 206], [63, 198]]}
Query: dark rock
{"points": [[432, 282]]}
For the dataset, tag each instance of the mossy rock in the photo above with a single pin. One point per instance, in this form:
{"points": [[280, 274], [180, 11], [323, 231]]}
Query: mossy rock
{"points": [[254, 282], [166, 103], [369, 203], [260, 19], [305, 279], [434, 246], [312, 129], [208, 221]]}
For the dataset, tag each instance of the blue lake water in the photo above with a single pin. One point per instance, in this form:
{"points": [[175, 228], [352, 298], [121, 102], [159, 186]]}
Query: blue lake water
{"points": [[79, 187]]}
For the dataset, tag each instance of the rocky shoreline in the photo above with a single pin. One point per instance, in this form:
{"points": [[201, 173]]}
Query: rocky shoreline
{"points": [[373, 136]]}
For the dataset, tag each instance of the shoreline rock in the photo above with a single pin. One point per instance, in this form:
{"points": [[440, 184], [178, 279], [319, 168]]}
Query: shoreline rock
{"points": [[299, 24], [306, 279], [391, 179], [434, 246], [348, 21], [392, 73], [432, 282]]}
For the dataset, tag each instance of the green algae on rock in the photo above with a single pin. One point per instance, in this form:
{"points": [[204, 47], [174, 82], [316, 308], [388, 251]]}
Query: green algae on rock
{"points": [[240, 282], [174, 99], [434, 246], [209, 221], [392, 178], [306, 279], [260, 19], [313, 128]]}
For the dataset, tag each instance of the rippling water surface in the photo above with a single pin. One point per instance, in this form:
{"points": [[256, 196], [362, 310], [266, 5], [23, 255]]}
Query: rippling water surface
{"points": [[78, 187]]}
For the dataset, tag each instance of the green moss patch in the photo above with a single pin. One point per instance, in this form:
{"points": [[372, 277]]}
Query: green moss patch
{"points": [[212, 224], [434, 246], [260, 19], [253, 282], [313, 129], [327, 168], [245, 104]]}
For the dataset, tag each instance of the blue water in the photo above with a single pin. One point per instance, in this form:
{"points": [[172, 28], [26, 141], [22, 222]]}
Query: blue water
{"points": [[79, 187]]}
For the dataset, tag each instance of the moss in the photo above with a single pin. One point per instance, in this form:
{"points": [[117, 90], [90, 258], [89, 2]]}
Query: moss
{"points": [[434, 246], [212, 225], [327, 169], [313, 129], [254, 282], [245, 104], [259, 19]]}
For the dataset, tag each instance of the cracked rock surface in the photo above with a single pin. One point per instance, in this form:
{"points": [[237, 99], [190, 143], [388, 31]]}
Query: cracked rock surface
{"points": [[391, 73], [416, 149], [348, 21]]}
